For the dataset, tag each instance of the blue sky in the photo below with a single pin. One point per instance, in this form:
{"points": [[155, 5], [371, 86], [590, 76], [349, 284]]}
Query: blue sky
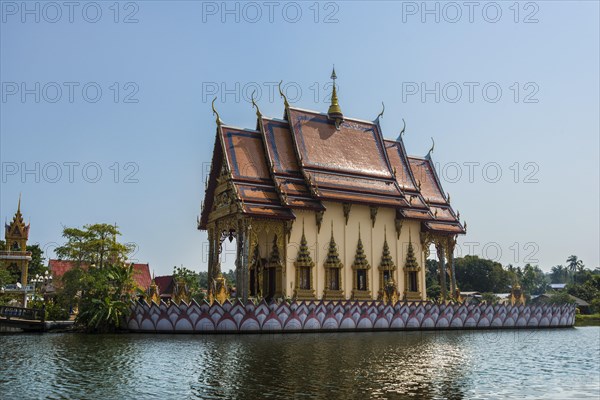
{"points": [[503, 89]]}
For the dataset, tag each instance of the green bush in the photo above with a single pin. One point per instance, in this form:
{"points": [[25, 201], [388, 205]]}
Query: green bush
{"points": [[55, 312], [560, 298]]}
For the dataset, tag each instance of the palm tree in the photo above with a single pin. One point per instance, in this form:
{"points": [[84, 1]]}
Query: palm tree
{"points": [[559, 274], [573, 264]]}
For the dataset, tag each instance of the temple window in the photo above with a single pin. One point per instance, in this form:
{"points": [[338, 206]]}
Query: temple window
{"points": [[386, 273], [412, 282], [304, 265], [411, 274], [361, 276], [333, 275], [305, 278], [361, 279]]}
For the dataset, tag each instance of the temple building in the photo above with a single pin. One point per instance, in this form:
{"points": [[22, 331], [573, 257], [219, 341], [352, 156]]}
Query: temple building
{"points": [[16, 258], [323, 207]]}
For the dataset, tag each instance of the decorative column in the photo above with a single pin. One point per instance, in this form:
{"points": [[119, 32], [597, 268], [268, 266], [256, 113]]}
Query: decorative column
{"points": [[211, 256], [450, 255], [239, 256], [246, 264], [439, 245]]}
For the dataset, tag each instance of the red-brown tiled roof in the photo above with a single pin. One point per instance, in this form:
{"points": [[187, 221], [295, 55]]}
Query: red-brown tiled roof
{"points": [[141, 272], [165, 284], [304, 159], [141, 275]]}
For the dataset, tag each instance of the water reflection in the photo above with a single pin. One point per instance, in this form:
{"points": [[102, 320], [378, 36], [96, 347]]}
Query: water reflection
{"points": [[455, 365]]}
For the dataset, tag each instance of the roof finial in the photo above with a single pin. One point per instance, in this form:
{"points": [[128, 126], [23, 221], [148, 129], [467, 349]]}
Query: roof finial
{"points": [[218, 120], [428, 156], [335, 111], [285, 101], [402, 131], [19, 205], [254, 105], [380, 115]]}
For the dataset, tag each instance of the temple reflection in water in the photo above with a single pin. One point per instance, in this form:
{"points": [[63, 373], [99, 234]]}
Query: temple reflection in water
{"points": [[323, 207]]}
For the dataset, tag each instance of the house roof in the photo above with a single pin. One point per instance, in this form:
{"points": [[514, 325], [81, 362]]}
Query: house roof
{"points": [[303, 160], [557, 285], [577, 300], [141, 272], [165, 284]]}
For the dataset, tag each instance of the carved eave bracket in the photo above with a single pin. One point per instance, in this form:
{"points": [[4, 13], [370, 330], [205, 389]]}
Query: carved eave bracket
{"points": [[319, 219], [287, 227], [398, 222], [426, 240], [373, 210], [347, 207]]}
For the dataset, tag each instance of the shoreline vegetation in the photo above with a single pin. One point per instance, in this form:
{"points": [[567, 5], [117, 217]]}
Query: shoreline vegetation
{"points": [[587, 320]]}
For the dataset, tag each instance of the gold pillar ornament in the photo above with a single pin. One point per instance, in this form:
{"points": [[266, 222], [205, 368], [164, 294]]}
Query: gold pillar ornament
{"points": [[221, 290]]}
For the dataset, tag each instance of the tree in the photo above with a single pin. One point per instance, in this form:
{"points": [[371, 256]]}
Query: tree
{"points": [[102, 283], [533, 280], [230, 277], [105, 296], [559, 274], [573, 264], [94, 245], [489, 298], [477, 274], [192, 281], [5, 277]]}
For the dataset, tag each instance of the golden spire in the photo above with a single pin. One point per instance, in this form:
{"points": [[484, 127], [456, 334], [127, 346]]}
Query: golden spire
{"points": [[411, 260], [19, 205], [335, 111], [275, 258], [360, 258], [386, 257], [333, 259], [303, 259]]}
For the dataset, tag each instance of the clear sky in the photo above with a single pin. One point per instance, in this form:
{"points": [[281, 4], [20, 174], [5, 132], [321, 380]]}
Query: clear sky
{"points": [[509, 92]]}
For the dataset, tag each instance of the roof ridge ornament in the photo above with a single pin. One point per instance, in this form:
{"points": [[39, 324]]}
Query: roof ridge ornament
{"points": [[380, 115], [399, 139], [335, 111], [254, 105], [215, 112], [428, 156], [285, 100]]}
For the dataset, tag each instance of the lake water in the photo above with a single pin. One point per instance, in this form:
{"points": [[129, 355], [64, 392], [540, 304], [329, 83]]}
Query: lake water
{"points": [[557, 363]]}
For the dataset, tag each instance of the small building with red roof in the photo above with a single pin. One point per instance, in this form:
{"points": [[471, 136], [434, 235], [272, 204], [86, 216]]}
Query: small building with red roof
{"points": [[141, 272]]}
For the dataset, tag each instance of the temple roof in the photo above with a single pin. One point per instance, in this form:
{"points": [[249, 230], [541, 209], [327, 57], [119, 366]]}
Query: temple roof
{"points": [[307, 158], [17, 228]]}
